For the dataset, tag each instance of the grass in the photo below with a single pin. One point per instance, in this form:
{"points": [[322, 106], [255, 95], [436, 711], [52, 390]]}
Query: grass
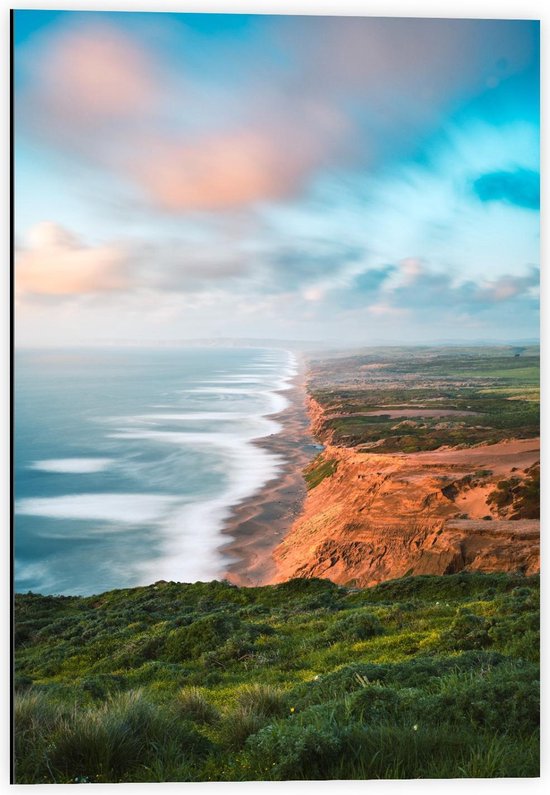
{"points": [[319, 469], [194, 705], [418, 677], [527, 375]]}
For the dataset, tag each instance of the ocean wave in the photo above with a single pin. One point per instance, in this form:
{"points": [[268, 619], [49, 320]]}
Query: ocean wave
{"points": [[196, 415], [77, 466], [125, 508]]}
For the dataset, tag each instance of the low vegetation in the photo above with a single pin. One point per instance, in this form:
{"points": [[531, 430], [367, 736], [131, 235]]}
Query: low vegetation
{"points": [[519, 498], [319, 469], [483, 395], [419, 677]]}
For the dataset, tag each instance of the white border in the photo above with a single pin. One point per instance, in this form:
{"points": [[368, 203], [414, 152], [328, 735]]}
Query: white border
{"points": [[497, 9]]}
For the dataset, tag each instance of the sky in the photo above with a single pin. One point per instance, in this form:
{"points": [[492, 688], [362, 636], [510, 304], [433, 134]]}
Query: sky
{"points": [[340, 180]]}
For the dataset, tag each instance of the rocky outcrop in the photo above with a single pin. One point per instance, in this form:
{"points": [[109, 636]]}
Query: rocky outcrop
{"points": [[382, 516]]}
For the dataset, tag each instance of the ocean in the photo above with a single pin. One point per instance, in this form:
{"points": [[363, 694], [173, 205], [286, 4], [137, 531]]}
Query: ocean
{"points": [[128, 462]]}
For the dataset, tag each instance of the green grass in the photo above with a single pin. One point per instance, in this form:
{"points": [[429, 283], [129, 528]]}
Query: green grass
{"points": [[527, 375], [318, 470], [418, 677]]}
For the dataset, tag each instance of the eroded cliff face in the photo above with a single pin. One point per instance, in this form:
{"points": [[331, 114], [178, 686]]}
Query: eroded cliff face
{"points": [[382, 516], [317, 416]]}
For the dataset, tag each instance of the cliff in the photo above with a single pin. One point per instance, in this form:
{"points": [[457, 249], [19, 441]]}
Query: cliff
{"points": [[374, 517]]}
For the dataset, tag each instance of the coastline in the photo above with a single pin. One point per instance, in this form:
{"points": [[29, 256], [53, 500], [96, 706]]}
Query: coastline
{"points": [[259, 524]]}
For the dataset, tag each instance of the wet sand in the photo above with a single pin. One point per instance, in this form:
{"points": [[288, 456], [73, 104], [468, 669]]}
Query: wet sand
{"points": [[259, 524]]}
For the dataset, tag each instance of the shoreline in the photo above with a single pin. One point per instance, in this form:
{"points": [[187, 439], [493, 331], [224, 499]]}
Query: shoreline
{"points": [[257, 525]]}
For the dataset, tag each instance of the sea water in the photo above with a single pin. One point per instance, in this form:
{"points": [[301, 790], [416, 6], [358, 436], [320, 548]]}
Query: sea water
{"points": [[128, 462]]}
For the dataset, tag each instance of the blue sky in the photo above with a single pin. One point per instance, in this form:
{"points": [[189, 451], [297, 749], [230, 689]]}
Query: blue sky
{"points": [[346, 180]]}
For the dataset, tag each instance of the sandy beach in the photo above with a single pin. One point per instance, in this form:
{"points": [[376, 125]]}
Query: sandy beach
{"points": [[258, 525]]}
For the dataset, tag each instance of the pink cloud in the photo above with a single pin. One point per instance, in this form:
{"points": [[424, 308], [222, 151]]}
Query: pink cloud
{"points": [[55, 263], [411, 268], [384, 309], [269, 159], [84, 77], [506, 287], [214, 173], [503, 289], [98, 92]]}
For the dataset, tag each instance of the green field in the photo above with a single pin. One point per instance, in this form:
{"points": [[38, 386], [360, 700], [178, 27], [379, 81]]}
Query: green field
{"points": [[526, 375], [495, 391], [419, 677]]}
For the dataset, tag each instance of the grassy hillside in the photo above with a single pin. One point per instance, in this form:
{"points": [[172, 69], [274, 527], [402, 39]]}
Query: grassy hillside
{"points": [[419, 677]]}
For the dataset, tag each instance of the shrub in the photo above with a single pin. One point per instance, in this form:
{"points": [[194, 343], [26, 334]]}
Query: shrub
{"points": [[359, 625], [528, 502], [503, 700], [468, 631], [518, 635], [289, 750], [303, 594], [333, 749], [417, 672], [241, 646], [139, 650], [201, 636], [375, 703], [448, 586]]}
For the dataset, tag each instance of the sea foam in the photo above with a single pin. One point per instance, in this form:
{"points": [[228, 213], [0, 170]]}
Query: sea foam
{"points": [[105, 507], [76, 466]]}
